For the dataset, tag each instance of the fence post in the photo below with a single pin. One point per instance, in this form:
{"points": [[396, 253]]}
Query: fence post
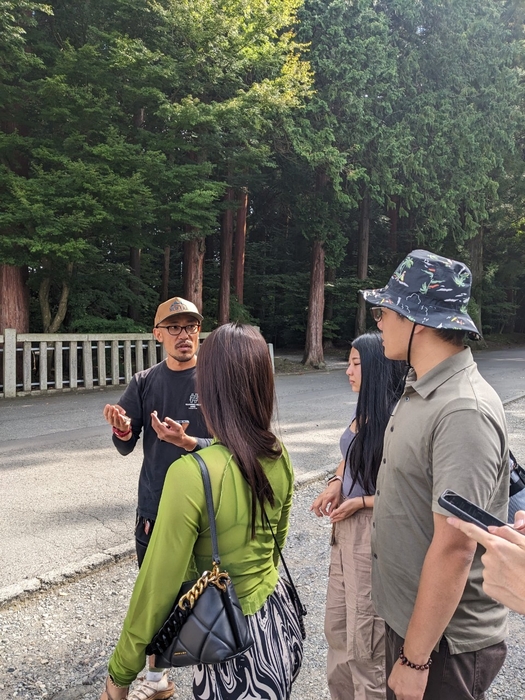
{"points": [[128, 370], [272, 356], [59, 366], [27, 366], [73, 365], [9, 363], [42, 366], [139, 355], [101, 362], [115, 369], [87, 366], [152, 353]]}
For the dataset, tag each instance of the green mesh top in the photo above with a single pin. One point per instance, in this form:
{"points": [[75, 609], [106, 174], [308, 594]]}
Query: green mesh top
{"points": [[180, 546]]}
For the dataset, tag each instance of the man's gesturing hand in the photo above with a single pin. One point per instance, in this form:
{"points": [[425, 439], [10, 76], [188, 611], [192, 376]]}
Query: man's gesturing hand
{"points": [[171, 431]]}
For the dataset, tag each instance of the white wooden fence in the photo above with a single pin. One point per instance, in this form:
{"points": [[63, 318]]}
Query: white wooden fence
{"points": [[40, 362]]}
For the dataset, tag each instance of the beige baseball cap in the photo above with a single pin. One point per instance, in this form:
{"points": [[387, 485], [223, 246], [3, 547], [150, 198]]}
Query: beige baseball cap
{"points": [[175, 307]]}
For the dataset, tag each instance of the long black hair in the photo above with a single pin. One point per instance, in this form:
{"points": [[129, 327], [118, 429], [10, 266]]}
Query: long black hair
{"points": [[236, 390], [381, 387]]}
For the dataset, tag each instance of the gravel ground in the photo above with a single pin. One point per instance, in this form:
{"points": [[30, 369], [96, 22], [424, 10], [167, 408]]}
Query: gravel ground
{"points": [[55, 643]]}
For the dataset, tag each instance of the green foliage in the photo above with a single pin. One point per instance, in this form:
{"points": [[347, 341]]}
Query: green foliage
{"points": [[126, 120], [95, 324], [240, 313], [343, 298], [461, 87], [16, 16]]}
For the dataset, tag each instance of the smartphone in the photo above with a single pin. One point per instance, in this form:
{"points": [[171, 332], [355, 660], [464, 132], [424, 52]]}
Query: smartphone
{"points": [[182, 422], [466, 510]]}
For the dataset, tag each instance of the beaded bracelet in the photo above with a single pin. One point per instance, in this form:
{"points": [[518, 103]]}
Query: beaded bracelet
{"points": [[406, 662], [121, 433]]}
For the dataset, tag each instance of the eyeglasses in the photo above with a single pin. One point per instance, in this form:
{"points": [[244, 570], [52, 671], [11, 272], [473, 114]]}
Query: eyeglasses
{"points": [[377, 313], [190, 329]]}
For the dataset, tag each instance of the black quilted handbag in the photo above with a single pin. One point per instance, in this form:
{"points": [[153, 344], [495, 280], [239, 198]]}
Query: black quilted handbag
{"points": [[517, 488], [517, 476], [206, 625]]}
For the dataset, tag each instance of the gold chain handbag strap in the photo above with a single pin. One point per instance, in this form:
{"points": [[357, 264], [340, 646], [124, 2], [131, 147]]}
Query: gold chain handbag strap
{"points": [[216, 578]]}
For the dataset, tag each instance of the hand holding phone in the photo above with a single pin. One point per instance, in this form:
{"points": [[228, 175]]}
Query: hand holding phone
{"points": [[467, 511], [504, 557]]}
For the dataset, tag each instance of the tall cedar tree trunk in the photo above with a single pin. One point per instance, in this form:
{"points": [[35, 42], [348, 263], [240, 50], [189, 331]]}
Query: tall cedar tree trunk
{"points": [[329, 301], [226, 258], [362, 259], [14, 294], [193, 270], [164, 285], [134, 265], [411, 230], [511, 296], [240, 246], [52, 325], [14, 298], [313, 351], [393, 215], [135, 253], [475, 247]]}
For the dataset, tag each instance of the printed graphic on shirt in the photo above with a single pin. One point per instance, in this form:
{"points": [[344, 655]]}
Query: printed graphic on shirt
{"points": [[194, 402]]}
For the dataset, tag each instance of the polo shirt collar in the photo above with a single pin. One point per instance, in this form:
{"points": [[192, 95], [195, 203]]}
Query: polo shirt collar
{"points": [[438, 375]]}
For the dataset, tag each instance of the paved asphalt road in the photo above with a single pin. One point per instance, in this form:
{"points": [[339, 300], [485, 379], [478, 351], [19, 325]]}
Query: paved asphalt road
{"points": [[67, 493]]}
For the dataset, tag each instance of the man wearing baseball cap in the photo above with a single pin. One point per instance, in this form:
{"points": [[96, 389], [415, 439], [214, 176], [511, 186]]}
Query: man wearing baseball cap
{"points": [[445, 636], [161, 402]]}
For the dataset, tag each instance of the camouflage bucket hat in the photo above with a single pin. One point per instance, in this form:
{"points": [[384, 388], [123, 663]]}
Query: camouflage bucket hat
{"points": [[429, 290]]}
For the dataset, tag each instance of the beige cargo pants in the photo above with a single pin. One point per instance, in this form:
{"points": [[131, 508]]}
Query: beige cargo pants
{"points": [[355, 634]]}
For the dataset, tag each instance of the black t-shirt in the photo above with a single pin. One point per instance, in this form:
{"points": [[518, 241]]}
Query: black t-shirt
{"points": [[170, 394]]}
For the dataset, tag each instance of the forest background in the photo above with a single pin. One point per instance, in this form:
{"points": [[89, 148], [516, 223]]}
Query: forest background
{"points": [[263, 158]]}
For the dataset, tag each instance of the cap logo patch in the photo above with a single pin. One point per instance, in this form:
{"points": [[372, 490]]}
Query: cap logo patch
{"points": [[177, 307]]}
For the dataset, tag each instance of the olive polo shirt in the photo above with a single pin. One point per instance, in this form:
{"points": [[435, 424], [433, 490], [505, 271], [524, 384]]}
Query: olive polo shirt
{"points": [[448, 431]]}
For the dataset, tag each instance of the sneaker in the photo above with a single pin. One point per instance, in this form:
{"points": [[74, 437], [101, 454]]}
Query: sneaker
{"points": [[153, 690]]}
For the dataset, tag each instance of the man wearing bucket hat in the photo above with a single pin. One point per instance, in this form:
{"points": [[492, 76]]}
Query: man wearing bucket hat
{"points": [[161, 402], [445, 636]]}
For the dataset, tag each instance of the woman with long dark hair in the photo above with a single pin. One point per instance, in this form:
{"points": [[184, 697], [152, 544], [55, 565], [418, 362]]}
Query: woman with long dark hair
{"points": [[250, 474], [355, 634]]}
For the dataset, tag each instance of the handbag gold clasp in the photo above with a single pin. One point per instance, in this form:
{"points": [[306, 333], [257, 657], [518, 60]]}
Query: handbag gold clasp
{"points": [[218, 578]]}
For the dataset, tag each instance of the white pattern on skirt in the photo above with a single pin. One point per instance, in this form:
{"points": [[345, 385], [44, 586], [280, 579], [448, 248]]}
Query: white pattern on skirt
{"points": [[267, 670]]}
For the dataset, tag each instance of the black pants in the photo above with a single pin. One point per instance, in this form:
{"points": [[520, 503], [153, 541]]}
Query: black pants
{"points": [[452, 676], [143, 531]]}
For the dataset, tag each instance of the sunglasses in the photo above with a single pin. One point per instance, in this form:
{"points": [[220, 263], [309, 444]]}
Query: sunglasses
{"points": [[377, 313]]}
